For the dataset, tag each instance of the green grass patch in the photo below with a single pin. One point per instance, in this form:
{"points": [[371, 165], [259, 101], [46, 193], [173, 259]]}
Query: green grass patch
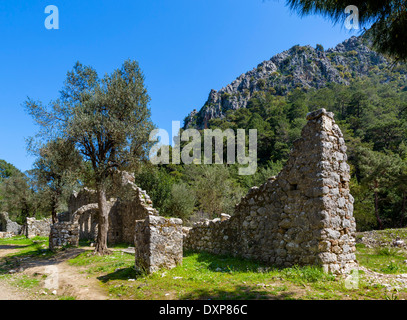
{"points": [[386, 235], [206, 276], [37, 246], [25, 282], [383, 259], [103, 264], [66, 298]]}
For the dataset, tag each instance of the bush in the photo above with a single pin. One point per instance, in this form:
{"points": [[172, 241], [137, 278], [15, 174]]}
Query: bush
{"points": [[182, 201], [158, 185], [216, 191]]}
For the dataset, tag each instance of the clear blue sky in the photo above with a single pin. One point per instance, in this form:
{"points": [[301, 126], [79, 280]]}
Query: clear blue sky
{"points": [[185, 48]]}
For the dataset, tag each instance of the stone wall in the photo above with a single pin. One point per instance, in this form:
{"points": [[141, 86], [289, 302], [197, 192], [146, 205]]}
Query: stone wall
{"points": [[125, 212], [133, 204], [4, 234], [62, 234], [88, 219], [303, 216], [6, 225], [33, 227], [158, 243]]}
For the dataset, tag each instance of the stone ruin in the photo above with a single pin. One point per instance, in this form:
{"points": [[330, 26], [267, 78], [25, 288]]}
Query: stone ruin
{"points": [[80, 221], [31, 228], [303, 216], [8, 228], [158, 243], [36, 228]]}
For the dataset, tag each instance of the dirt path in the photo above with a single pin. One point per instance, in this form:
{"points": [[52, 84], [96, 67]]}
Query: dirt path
{"points": [[61, 278], [67, 280], [7, 292]]}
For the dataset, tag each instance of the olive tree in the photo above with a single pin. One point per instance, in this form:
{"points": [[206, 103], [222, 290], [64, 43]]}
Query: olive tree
{"points": [[106, 119]]}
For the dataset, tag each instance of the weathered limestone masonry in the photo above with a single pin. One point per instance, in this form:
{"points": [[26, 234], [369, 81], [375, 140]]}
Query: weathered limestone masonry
{"points": [[4, 234], [123, 213], [62, 234], [6, 225], [34, 227], [158, 243], [87, 220], [303, 216]]}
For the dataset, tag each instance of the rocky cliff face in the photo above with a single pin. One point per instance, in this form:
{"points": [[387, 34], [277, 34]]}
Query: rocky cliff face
{"points": [[299, 67]]}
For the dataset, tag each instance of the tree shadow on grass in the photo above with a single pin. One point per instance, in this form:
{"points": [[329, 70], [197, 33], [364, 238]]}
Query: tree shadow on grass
{"points": [[121, 274], [240, 292], [38, 256], [229, 263], [11, 246]]}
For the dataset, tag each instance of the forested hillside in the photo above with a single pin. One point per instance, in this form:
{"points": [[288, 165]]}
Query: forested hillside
{"points": [[368, 96]]}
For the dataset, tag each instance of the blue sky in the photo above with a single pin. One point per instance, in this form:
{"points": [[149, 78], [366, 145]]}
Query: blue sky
{"points": [[185, 48]]}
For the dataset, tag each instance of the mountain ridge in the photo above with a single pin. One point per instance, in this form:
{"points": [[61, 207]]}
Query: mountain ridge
{"points": [[302, 67]]}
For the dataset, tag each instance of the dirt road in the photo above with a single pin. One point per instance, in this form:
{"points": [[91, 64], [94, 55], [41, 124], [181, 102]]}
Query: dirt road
{"points": [[61, 278]]}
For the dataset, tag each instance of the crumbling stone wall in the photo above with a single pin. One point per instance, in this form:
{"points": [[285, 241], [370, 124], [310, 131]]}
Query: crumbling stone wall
{"points": [[62, 234], [124, 214], [34, 227], [133, 204], [7, 225], [303, 216], [87, 220], [4, 234], [158, 243]]}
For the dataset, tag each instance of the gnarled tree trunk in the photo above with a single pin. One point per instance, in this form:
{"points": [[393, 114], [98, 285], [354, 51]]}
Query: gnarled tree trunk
{"points": [[103, 225]]}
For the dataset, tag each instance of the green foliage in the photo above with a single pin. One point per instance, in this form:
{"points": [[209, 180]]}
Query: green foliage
{"points": [[7, 170], [158, 184], [106, 119], [261, 176], [55, 173], [387, 20], [215, 190], [107, 122], [371, 113], [319, 47], [19, 197], [182, 201]]}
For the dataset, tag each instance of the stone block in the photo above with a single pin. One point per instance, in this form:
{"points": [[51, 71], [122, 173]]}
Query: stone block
{"points": [[158, 243]]}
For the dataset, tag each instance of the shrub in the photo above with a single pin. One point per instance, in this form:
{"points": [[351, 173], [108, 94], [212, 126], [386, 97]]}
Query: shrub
{"points": [[182, 201]]}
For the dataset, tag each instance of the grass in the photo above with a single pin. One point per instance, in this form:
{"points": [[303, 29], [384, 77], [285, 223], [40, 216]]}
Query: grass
{"points": [[25, 282], [386, 236], [206, 276], [384, 260], [37, 246], [102, 264]]}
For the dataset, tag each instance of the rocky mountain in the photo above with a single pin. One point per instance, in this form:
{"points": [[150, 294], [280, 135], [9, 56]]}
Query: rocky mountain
{"points": [[299, 67]]}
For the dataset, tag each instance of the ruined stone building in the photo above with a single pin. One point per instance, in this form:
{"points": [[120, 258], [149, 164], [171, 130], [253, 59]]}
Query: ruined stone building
{"points": [[31, 228], [303, 216], [6, 225], [8, 228], [80, 221]]}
